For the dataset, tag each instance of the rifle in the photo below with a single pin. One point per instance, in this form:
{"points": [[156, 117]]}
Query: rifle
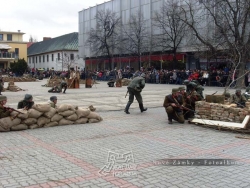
{"points": [[18, 112], [126, 94], [240, 105], [185, 108]]}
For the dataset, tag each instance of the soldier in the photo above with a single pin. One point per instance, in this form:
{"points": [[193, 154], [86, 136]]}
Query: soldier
{"points": [[1, 85], [53, 101], [3, 111], [26, 103], [55, 89], [238, 99], [172, 105], [63, 85], [134, 89]]}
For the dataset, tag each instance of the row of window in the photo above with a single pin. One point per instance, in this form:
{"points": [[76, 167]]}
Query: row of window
{"points": [[42, 58], [9, 37]]}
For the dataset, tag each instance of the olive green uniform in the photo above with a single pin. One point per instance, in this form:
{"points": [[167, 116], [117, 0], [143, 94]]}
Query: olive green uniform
{"points": [[4, 112], [240, 100], [175, 113], [24, 103], [134, 89]]}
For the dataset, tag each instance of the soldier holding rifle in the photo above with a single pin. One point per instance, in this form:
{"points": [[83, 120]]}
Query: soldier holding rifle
{"points": [[26, 103], [4, 112], [238, 99], [173, 106]]}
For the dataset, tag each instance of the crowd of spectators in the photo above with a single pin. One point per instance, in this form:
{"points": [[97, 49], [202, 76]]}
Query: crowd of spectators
{"points": [[212, 77]]}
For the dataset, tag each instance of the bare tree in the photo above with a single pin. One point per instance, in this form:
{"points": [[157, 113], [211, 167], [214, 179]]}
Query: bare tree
{"points": [[136, 37], [68, 61], [105, 38], [172, 28], [32, 39], [229, 29]]}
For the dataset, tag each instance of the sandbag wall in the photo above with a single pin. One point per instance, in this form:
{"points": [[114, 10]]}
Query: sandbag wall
{"points": [[221, 112], [43, 115], [18, 79]]}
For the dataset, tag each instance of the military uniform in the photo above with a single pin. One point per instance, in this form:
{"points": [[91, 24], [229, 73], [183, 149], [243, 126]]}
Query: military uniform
{"points": [[26, 103], [238, 99], [53, 101], [3, 112], [134, 89], [175, 113], [54, 89], [63, 85], [1, 85]]}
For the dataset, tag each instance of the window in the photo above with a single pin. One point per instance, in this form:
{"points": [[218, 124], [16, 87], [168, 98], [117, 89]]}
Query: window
{"points": [[52, 57], [71, 56], [43, 58], [1, 37], [39, 59], [17, 52], [47, 58], [9, 37], [33, 59], [58, 56], [36, 59]]}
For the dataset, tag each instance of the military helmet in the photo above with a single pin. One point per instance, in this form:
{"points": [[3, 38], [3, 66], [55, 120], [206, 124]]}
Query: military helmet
{"points": [[175, 90], [227, 95], [27, 97], [52, 98], [182, 88], [3, 98], [186, 82], [238, 91]]}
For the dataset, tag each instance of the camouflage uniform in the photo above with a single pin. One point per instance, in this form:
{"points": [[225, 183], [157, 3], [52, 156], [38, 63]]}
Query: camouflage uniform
{"points": [[175, 113], [134, 89]]}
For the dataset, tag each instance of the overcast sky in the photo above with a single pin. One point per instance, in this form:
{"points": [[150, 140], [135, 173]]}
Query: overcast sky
{"points": [[42, 18]]}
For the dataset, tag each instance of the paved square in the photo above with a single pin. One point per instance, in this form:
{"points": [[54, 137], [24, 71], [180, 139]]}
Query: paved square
{"points": [[74, 155]]}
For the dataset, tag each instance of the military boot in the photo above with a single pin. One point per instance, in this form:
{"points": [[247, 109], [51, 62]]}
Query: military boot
{"points": [[127, 108], [142, 108], [170, 119]]}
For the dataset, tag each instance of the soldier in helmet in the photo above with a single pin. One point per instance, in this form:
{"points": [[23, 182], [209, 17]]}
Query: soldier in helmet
{"points": [[172, 105], [3, 111], [53, 101], [26, 103], [238, 99], [134, 89]]}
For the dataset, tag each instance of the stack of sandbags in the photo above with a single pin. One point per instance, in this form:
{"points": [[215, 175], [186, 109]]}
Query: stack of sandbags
{"points": [[220, 112], [53, 82], [13, 87], [125, 81], [19, 79], [43, 115]]}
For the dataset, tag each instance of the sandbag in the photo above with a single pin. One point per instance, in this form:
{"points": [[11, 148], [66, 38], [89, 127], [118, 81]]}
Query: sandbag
{"points": [[65, 107], [81, 112], [24, 114], [42, 121], [93, 120], [51, 124], [72, 117], [50, 113], [81, 121], [65, 122], [94, 115], [29, 121], [56, 117], [66, 113], [6, 123], [42, 107], [32, 113], [19, 127], [33, 126]]}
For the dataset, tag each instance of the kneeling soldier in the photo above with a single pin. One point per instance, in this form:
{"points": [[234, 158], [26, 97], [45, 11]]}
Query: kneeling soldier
{"points": [[172, 105]]}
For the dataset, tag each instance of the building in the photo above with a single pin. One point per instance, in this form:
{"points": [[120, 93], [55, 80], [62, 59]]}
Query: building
{"points": [[12, 47], [55, 53]]}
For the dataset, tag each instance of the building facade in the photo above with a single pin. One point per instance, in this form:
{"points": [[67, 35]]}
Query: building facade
{"points": [[12, 47], [55, 53]]}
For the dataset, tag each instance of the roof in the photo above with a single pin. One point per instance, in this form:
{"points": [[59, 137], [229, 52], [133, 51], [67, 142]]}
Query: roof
{"points": [[65, 42]]}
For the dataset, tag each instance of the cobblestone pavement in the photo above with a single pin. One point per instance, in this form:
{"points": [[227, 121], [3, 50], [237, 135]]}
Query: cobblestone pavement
{"points": [[123, 151]]}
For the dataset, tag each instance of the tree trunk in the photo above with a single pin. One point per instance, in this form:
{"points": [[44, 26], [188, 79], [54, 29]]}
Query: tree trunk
{"points": [[241, 75]]}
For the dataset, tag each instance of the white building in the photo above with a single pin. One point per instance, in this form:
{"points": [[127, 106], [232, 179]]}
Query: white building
{"points": [[56, 53]]}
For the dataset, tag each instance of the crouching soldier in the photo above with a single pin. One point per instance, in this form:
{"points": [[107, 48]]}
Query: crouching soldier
{"points": [[238, 99], [4, 112], [26, 103], [172, 105]]}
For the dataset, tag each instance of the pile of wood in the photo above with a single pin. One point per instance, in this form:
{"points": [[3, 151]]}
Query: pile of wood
{"points": [[221, 112], [43, 115], [19, 79], [125, 81]]}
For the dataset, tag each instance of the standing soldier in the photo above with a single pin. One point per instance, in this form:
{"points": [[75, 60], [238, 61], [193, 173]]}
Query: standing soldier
{"points": [[63, 85], [26, 103], [172, 105], [1, 85], [134, 89], [3, 111]]}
